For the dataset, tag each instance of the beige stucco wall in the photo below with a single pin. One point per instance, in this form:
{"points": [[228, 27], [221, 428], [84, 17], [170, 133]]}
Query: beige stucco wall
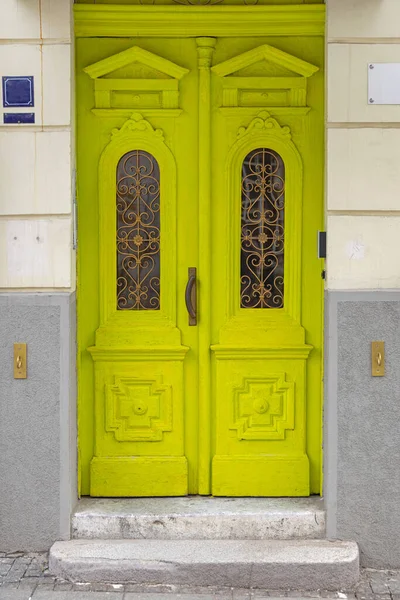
{"points": [[36, 161], [363, 148]]}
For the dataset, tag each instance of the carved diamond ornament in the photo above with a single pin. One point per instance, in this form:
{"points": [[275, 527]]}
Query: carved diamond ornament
{"points": [[138, 410], [263, 408]]}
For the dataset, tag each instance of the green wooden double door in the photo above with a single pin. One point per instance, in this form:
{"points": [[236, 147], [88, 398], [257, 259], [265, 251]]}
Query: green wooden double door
{"points": [[200, 292]]}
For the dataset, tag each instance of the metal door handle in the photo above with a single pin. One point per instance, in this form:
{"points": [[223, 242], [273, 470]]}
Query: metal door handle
{"points": [[191, 296]]}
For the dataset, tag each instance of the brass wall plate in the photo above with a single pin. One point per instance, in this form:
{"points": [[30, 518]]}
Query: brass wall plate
{"points": [[378, 359], [20, 371]]}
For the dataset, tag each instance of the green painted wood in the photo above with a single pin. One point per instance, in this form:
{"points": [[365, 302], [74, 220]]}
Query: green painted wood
{"points": [[199, 377]]}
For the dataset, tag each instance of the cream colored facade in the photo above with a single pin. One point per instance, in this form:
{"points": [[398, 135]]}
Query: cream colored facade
{"points": [[363, 149], [37, 160]]}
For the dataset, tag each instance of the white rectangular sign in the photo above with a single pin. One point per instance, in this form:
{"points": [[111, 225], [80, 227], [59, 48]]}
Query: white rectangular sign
{"points": [[384, 83]]}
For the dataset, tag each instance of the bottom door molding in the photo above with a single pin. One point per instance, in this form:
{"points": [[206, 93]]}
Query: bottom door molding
{"points": [[139, 476]]}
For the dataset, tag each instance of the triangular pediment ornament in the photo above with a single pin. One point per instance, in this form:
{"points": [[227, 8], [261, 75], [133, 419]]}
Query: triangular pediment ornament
{"points": [[136, 79], [263, 121], [135, 55], [269, 54], [137, 124]]}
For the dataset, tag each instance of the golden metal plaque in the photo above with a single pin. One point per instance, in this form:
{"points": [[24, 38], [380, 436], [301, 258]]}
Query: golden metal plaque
{"points": [[19, 361], [378, 359]]}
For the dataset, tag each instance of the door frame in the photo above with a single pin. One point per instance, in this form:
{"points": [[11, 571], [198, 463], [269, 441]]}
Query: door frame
{"points": [[192, 21], [95, 20]]}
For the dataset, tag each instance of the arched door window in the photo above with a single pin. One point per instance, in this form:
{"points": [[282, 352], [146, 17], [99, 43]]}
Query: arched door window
{"points": [[138, 232], [262, 230]]}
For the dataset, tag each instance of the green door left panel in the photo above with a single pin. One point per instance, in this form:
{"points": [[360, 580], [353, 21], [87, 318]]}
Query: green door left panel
{"points": [[142, 364]]}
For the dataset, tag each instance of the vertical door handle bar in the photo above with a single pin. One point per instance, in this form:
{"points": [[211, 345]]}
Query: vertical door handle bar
{"points": [[191, 295]]}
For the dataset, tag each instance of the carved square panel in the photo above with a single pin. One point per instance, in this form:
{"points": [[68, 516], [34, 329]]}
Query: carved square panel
{"points": [[263, 408], [138, 409]]}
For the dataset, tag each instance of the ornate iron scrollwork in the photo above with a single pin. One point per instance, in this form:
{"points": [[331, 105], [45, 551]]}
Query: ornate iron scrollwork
{"points": [[262, 230], [138, 232]]}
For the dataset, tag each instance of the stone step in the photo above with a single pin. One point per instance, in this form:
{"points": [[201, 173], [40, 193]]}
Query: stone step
{"points": [[199, 517], [272, 564]]}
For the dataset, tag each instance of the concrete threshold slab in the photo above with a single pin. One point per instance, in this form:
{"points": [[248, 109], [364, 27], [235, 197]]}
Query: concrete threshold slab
{"points": [[199, 517], [273, 564]]}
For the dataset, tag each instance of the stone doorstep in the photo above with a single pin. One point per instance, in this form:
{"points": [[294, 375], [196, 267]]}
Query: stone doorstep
{"points": [[199, 517], [270, 564]]}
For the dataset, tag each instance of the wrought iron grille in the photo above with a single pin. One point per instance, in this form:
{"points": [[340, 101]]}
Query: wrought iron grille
{"points": [[138, 232], [262, 230]]}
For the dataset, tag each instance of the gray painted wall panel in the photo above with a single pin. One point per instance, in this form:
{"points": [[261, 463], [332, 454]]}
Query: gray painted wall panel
{"points": [[362, 425], [37, 421]]}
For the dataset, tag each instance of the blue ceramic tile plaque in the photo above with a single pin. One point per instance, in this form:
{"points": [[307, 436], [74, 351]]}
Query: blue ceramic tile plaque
{"points": [[18, 91], [17, 118]]}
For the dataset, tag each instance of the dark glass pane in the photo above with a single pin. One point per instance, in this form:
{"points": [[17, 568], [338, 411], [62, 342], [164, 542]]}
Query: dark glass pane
{"points": [[262, 230], [138, 232]]}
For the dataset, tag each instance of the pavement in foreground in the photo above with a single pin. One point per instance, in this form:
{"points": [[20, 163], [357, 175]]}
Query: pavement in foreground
{"points": [[26, 577]]}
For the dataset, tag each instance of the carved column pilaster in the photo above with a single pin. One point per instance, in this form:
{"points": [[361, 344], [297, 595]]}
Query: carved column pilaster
{"points": [[205, 50]]}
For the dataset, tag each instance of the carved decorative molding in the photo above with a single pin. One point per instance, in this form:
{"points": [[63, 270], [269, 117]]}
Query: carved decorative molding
{"points": [[137, 124], [136, 133], [263, 122], [136, 78], [263, 408], [264, 76], [137, 55], [240, 21], [265, 53], [197, 2], [205, 51], [138, 410]]}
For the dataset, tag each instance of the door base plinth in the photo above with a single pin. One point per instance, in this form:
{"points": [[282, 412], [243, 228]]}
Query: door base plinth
{"points": [[261, 476], [139, 476]]}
